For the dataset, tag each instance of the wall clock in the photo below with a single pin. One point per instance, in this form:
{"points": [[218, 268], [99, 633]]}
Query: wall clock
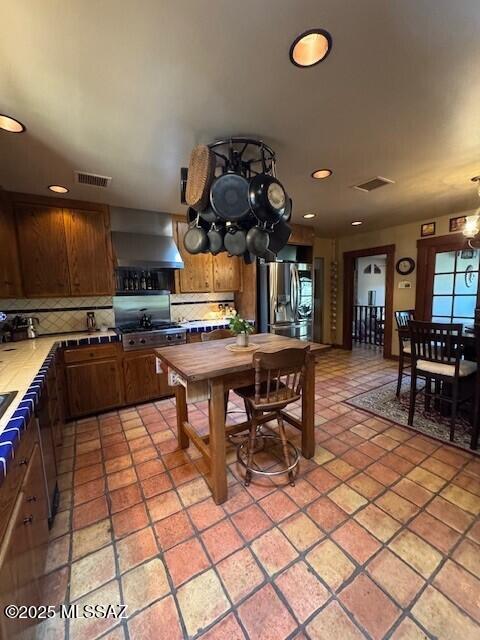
{"points": [[405, 266]]}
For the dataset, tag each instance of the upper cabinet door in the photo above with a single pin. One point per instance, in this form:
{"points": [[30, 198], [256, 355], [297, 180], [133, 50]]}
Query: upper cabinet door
{"points": [[196, 277], [43, 250], [226, 273], [10, 283], [89, 252]]}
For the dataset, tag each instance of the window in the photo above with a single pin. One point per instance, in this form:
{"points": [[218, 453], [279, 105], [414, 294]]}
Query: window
{"points": [[455, 286]]}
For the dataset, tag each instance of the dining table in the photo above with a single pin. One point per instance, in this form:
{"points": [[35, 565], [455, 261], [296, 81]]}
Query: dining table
{"points": [[205, 371]]}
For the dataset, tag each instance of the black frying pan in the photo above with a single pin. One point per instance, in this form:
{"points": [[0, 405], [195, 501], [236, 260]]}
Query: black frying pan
{"points": [[279, 236], [209, 215], [196, 239], [215, 239], [268, 198], [258, 240], [229, 197], [235, 241]]}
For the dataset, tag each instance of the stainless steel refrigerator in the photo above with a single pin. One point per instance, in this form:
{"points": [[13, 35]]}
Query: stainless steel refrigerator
{"points": [[285, 299]]}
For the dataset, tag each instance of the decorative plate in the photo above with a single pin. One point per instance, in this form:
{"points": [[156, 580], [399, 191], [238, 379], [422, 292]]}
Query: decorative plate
{"points": [[237, 349]]}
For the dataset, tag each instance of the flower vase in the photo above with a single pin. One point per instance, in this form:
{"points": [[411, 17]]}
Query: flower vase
{"points": [[242, 339]]}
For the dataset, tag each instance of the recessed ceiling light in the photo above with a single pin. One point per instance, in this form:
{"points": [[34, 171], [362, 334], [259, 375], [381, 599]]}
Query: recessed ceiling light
{"points": [[57, 188], [310, 47], [10, 124], [356, 223], [320, 174], [309, 215]]}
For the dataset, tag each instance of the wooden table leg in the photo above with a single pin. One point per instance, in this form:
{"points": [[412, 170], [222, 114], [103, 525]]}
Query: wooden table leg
{"points": [[308, 408], [218, 468], [182, 415]]}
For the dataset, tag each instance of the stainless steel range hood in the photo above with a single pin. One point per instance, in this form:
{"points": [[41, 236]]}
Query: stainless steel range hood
{"points": [[144, 239]]}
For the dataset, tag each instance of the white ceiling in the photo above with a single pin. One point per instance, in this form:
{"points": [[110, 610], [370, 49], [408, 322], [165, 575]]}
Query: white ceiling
{"points": [[126, 88]]}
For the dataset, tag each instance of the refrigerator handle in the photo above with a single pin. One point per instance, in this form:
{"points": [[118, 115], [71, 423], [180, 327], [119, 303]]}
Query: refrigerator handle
{"points": [[273, 293], [294, 290]]}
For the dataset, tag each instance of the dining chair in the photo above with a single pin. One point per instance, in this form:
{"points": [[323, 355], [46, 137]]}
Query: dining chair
{"points": [[476, 401], [279, 381], [436, 354], [218, 334], [402, 318]]}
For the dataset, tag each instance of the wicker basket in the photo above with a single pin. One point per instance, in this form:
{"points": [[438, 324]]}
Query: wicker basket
{"points": [[201, 171]]}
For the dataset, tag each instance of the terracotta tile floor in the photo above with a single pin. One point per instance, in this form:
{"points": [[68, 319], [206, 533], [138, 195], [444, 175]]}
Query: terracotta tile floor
{"points": [[380, 537]]}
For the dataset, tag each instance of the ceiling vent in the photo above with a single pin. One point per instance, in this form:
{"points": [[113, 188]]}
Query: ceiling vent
{"points": [[92, 179], [374, 183]]}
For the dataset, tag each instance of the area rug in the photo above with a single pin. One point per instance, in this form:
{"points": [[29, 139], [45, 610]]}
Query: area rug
{"points": [[383, 403]]}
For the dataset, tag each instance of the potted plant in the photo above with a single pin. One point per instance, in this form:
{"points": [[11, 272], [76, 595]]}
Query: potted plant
{"points": [[240, 328]]}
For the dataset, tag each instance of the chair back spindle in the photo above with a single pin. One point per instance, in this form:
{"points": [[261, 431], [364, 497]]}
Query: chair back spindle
{"points": [[284, 372], [217, 334], [437, 342]]}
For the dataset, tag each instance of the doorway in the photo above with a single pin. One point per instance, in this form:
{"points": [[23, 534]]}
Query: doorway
{"points": [[368, 298], [448, 287]]}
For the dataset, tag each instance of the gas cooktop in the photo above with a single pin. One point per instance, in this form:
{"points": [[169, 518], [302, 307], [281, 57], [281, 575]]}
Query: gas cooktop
{"points": [[156, 335], [159, 326]]}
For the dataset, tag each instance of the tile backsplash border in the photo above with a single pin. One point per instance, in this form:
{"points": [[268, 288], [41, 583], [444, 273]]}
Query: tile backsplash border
{"points": [[63, 315]]}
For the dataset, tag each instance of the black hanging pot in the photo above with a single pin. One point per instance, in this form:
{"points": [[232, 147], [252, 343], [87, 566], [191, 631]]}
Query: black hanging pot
{"points": [[193, 217], [229, 197], [287, 214], [235, 241], [196, 239], [279, 236], [209, 215], [268, 198], [215, 239], [258, 240]]}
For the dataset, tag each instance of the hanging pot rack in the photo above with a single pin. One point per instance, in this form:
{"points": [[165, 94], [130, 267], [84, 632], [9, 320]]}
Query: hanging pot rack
{"points": [[236, 159]]}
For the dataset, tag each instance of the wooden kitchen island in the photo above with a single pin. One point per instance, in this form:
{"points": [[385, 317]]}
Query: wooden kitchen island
{"points": [[206, 371]]}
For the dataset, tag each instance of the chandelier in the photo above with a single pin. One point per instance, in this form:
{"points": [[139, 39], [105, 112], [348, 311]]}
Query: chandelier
{"points": [[471, 228]]}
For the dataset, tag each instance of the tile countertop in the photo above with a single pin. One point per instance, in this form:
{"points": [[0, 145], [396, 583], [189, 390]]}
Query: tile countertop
{"points": [[195, 326], [23, 368]]}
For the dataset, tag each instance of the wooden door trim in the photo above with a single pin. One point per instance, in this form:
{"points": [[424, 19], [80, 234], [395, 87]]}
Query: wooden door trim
{"points": [[426, 250], [349, 258]]}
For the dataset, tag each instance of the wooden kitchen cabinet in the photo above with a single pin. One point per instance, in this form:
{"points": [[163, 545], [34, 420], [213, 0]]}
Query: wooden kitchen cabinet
{"points": [[227, 273], [23, 546], [302, 234], [142, 382], [93, 386], [64, 246], [10, 282], [196, 276], [88, 249], [204, 273], [43, 250]]}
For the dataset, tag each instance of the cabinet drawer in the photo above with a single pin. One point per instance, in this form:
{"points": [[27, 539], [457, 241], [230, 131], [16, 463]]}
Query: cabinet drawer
{"points": [[23, 548], [85, 354], [16, 473]]}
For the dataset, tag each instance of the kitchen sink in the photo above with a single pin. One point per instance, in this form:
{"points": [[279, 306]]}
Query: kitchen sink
{"points": [[5, 400]]}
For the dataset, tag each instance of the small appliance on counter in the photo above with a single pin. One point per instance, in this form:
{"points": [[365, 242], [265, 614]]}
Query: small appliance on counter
{"points": [[31, 330], [91, 322], [23, 328], [144, 322]]}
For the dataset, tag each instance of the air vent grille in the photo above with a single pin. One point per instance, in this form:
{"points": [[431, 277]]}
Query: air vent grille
{"points": [[92, 179], [374, 183]]}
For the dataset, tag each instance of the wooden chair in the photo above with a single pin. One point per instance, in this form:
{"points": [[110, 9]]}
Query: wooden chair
{"points": [[402, 318], [279, 380], [218, 334], [436, 352], [476, 402]]}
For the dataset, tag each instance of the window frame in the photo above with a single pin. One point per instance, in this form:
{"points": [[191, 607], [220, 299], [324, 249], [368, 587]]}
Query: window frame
{"points": [[427, 250]]}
